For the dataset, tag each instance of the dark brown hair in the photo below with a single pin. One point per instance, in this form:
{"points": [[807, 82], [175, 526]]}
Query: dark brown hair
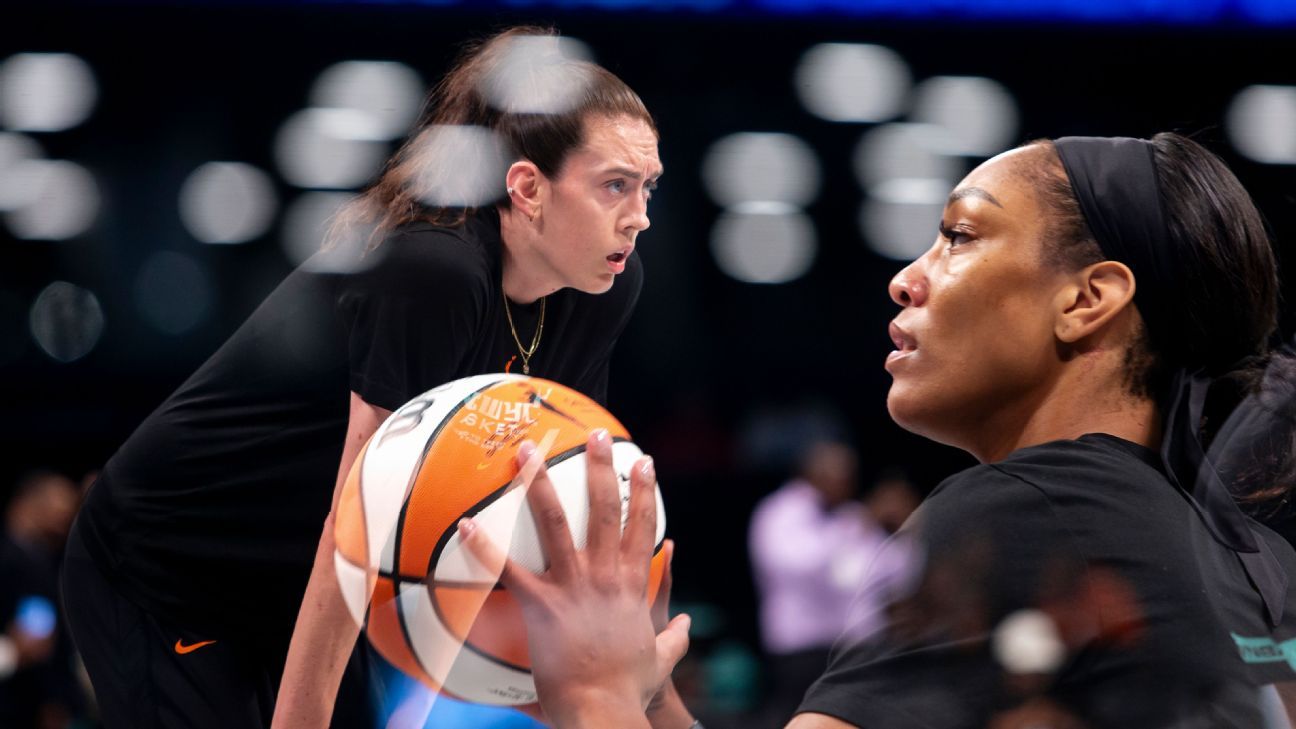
{"points": [[1226, 267], [1229, 289], [463, 98]]}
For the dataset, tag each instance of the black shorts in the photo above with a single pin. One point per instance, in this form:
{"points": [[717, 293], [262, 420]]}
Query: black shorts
{"points": [[149, 673]]}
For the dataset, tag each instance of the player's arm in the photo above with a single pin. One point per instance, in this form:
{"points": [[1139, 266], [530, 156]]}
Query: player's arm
{"points": [[1287, 692], [325, 633]]}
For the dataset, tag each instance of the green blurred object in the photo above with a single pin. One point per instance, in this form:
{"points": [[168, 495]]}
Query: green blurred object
{"points": [[732, 677], [708, 620]]}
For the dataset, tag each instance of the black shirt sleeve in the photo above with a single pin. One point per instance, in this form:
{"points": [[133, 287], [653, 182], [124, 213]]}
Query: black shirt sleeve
{"points": [[988, 539], [411, 318]]}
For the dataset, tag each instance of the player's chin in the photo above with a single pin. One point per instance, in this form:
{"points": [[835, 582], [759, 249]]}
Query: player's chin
{"points": [[922, 416], [905, 407], [600, 284]]}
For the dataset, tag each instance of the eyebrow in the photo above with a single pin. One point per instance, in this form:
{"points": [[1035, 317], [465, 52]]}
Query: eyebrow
{"points": [[963, 192], [632, 174]]}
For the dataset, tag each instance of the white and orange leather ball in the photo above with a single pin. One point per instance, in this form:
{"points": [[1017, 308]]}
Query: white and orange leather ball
{"points": [[425, 605]]}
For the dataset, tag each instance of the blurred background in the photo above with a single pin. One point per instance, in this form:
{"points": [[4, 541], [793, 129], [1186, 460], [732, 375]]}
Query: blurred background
{"points": [[163, 165]]}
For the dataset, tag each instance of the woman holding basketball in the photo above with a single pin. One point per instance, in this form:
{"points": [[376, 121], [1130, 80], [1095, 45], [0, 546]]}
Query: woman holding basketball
{"points": [[1093, 324], [499, 237]]}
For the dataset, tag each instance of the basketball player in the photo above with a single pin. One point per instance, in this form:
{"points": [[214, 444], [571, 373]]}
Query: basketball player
{"points": [[208, 540], [1065, 329]]}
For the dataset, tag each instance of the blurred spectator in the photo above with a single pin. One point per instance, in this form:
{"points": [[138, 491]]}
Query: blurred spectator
{"points": [[811, 543], [891, 499], [37, 683]]}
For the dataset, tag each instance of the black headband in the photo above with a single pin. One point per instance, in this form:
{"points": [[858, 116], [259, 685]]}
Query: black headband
{"points": [[1115, 181]]}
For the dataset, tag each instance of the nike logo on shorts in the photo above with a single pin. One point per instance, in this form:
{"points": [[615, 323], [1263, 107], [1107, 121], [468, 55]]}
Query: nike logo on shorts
{"points": [[182, 649]]}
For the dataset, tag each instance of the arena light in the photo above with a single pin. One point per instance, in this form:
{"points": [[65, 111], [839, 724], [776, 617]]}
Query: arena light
{"points": [[328, 148], [1261, 123], [912, 191], [536, 75], [66, 321], [900, 229], [308, 220], [761, 167], [903, 150], [173, 292], [14, 150], [459, 165], [60, 200], [852, 82], [45, 92], [386, 92], [227, 202], [764, 247], [979, 115]]}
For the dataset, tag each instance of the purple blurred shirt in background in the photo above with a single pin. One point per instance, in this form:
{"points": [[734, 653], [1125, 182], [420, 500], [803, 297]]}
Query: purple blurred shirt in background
{"points": [[812, 564]]}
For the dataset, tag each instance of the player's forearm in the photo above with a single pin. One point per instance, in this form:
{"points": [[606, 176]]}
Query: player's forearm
{"points": [[321, 644], [599, 710], [325, 633], [599, 719]]}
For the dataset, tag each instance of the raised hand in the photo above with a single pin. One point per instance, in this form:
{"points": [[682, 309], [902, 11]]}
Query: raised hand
{"points": [[595, 656]]}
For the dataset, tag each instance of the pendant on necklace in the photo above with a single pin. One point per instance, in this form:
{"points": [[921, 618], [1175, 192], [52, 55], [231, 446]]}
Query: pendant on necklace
{"points": [[526, 369]]}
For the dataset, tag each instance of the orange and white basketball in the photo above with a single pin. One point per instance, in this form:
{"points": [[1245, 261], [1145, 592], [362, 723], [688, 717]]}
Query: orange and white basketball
{"points": [[426, 605]]}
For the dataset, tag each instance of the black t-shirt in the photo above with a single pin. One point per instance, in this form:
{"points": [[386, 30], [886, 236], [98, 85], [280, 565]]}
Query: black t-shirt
{"points": [[1160, 624], [210, 513]]}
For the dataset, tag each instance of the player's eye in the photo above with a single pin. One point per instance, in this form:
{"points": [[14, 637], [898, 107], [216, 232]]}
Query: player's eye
{"points": [[954, 236], [617, 186]]}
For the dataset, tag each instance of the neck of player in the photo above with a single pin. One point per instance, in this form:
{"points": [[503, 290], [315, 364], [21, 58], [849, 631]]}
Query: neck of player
{"points": [[527, 275], [1086, 395]]}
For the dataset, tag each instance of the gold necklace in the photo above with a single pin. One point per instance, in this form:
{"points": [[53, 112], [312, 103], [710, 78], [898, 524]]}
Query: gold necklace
{"points": [[526, 352]]}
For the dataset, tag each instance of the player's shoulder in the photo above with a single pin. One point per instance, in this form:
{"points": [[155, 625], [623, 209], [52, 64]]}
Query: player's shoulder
{"points": [[990, 507], [431, 258], [1096, 487], [980, 497], [455, 249], [1095, 466]]}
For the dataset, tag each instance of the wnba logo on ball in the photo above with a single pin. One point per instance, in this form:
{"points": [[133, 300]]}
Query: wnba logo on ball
{"points": [[505, 410], [493, 423]]}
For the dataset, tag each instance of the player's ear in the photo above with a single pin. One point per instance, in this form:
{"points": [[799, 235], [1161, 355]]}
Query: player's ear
{"points": [[524, 183], [1091, 298]]}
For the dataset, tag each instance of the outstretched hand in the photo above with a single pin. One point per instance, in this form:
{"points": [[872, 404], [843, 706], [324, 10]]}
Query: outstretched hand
{"points": [[595, 656]]}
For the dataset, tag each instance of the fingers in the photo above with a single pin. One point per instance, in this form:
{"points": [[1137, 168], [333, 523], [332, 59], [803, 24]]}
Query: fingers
{"points": [[547, 512], [672, 644], [479, 545], [604, 531], [641, 524]]}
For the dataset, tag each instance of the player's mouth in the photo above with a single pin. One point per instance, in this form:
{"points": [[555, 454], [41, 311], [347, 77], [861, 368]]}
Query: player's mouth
{"points": [[905, 344], [617, 261]]}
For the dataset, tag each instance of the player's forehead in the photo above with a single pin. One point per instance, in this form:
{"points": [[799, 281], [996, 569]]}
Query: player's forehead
{"points": [[618, 142], [1000, 192]]}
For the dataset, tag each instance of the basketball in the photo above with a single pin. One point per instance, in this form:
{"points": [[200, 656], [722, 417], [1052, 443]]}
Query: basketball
{"points": [[425, 604]]}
